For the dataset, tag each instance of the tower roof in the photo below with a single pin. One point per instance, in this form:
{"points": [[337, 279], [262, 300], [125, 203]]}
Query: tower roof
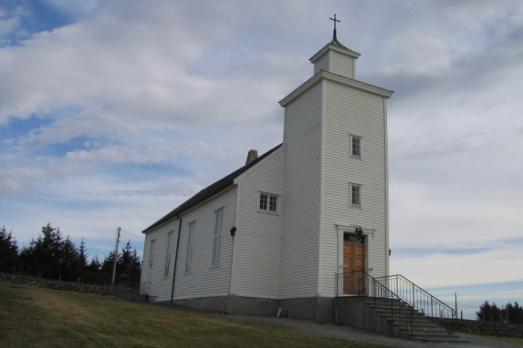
{"points": [[337, 46]]}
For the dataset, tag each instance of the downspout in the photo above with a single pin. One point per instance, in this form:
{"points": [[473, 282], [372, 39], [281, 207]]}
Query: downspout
{"points": [[176, 256]]}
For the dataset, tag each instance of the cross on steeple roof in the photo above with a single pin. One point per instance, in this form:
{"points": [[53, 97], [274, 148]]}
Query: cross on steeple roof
{"points": [[334, 20]]}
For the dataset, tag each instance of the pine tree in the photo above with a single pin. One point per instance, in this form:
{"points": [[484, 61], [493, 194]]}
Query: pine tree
{"points": [[69, 258], [8, 251], [94, 265], [43, 256], [82, 254], [129, 264]]}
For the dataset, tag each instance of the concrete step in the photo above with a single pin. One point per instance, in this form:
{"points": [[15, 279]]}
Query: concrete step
{"points": [[439, 339], [404, 312], [408, 317], [421, 328]]}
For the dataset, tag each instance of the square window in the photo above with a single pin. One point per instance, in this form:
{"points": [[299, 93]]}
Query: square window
{"points": [[268, 202]]}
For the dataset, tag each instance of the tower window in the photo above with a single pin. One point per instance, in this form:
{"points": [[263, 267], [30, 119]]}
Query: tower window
{"points": [[355, 195], [355, 146]]}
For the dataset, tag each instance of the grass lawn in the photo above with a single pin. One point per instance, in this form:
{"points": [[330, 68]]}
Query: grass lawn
{"points": [[35, 317]]}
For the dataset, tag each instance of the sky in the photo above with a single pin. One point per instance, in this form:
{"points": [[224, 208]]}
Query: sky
{"points": [[114, 112]]}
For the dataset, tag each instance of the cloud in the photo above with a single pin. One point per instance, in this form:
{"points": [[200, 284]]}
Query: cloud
{"points": [[138, 106]]}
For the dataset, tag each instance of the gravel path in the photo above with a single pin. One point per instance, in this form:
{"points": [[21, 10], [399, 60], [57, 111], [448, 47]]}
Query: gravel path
{"points": [[351, 334]]}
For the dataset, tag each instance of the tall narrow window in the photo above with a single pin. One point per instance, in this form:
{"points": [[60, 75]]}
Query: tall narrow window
{"points": [[168, 254], [263, 201], [151, 252], [355, 146], [188, 254], [355, 195], [217, 238], [273, 203]]}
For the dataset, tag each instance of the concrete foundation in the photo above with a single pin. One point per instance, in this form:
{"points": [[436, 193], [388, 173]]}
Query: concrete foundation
{"points": [[353, 311], [318, 309]]}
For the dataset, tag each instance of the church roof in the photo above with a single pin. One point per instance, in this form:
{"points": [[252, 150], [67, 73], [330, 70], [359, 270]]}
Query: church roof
{"points": [[210, 190], [337, 46]]}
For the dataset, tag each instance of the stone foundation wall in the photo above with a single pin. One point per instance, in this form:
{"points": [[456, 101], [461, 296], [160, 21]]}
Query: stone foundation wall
{"points": [[483, 328], [126, 293]]}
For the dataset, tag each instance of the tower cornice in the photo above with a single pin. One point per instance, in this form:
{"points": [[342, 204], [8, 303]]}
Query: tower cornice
{"points": [[304, 87]]}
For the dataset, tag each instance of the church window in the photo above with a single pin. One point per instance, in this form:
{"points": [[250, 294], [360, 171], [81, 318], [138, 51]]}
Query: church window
{"points": [[355, 146], [151, 252], [217, 238], [272, 203], [188, 253], [168, 254], [268, 202], [355, 195], [263, 201]]}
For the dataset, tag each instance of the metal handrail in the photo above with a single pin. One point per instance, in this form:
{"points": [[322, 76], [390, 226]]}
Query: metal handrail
{"points": [[377, 291], [417, 297]]}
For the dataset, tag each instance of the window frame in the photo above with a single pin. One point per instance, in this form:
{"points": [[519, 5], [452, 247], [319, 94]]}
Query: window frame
{"points": [[152, 244], [267, 204], [351, 204], [352, 137], [168, 254], [217, 238], [188, 250]]}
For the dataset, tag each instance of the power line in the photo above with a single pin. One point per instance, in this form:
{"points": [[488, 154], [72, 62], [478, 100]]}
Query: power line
{"points": [[132, 235]]}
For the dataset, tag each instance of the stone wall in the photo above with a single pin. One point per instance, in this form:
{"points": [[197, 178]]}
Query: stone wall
{"points": [[483, 328], [126, 293]]}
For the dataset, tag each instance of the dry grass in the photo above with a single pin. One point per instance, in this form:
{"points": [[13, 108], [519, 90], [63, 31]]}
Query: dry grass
{"points": [[35, 317]]}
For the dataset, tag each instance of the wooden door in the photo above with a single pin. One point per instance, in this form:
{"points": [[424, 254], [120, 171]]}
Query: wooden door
{"points": [[353, 265]]}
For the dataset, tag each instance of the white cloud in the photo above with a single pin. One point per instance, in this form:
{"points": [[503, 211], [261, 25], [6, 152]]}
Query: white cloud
{"points": [[192, 86]]}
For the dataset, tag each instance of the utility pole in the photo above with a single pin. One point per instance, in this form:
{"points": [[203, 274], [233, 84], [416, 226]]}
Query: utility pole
{"points": [[456, 304], [118, 230]]}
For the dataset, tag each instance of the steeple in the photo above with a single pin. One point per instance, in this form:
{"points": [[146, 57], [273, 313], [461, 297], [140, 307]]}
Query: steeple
{"points": [[335, 57]]}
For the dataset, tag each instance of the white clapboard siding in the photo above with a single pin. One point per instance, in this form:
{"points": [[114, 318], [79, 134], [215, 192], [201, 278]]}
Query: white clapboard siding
{"points": [[153, 280], [302, 143], [258, 241], [341, 64], [205, 280], [336, 63], [322, 64], [351, 111]]}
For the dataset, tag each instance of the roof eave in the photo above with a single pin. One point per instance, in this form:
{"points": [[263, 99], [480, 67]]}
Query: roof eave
{"points": [[331, 46], [219, 187]]}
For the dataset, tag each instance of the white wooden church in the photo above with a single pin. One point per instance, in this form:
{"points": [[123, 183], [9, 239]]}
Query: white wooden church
{"points": [[275, 235]]}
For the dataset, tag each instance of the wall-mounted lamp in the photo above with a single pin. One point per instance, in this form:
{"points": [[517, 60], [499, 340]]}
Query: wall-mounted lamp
{"points": [[233, 231]]}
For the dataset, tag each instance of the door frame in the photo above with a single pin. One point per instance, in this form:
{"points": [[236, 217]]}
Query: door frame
{"points": [[368, 235]]}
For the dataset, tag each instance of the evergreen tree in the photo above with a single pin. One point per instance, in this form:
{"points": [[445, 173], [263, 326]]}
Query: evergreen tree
{"points": [[107, 264], [69, 259], [43, 256], [82, 254], [129, 264], [94, 265], [489, 312], [8, 251], [513, 313]]}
